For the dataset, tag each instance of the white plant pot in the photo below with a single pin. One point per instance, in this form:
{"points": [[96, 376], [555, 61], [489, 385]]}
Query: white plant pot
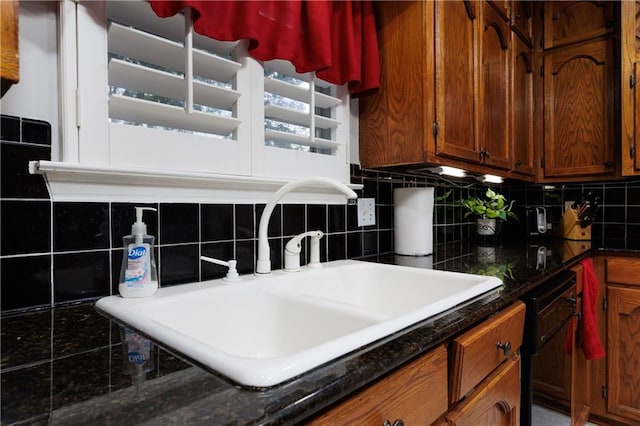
{"points": [[486, 254], [486, 226]]}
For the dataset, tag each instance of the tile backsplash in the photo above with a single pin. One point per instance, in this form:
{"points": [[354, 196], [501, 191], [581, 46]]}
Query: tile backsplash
{"points": [[53, 253]]}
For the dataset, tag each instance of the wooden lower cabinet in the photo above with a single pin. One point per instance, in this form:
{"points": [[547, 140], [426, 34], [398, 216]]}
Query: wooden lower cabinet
{"points": [[623, 395], [484, 373], [615, 379], [495, 402], [623, 355], [416, 394]]}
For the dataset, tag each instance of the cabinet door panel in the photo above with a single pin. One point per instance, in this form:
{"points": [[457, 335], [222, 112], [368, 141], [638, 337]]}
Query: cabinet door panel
{"points": [[571, 21], [623, 353], [578, 111], [522, 111], [456, 45], [494, 80]]}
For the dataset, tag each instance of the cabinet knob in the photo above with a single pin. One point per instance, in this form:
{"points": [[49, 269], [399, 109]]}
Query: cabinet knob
{"points": [[506, 347], [518, 163], [608, 164], [398, 422]]}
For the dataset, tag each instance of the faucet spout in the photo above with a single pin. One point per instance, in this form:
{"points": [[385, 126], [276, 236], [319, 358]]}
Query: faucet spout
{"points": [[263, 263]]}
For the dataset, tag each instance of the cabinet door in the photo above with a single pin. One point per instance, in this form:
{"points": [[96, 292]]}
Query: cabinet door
{"points": [[623, 355], [415, 394], [522, 108], [568, 22], [495, 64], [496, 401], [578, 111], [396, 121], [456, 46], [522, 20], [9, 58], [630, 93]]}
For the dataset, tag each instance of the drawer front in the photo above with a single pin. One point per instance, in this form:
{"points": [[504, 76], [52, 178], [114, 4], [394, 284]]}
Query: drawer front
{"points": [[478, 352], [622, 271], [415, 394], [495, 402]]}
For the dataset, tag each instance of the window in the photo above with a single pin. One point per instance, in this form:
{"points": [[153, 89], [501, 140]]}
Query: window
{"points": [[154, 95]]}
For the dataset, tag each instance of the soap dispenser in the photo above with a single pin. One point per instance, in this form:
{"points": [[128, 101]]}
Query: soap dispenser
{"points": [[138, 275]]}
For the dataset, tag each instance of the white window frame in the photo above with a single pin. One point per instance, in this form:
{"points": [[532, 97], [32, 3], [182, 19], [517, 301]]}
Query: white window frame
{"points": [[90, 167]]}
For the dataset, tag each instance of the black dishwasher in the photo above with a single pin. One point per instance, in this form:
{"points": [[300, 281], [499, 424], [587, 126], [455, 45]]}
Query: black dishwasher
{"points": [[549, 307]]}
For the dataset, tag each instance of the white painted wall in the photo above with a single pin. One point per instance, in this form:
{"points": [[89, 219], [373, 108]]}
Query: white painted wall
{"points": [[36, 94]]}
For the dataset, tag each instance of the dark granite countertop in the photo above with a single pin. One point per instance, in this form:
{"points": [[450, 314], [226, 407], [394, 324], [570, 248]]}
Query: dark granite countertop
{"points": [[69, 365]]}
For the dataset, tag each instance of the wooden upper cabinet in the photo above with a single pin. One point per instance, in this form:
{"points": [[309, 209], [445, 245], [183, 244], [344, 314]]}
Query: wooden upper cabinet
{"points": [[579, 120], [522, 109], [495, 63], [9, 53], [503, 7], [456, 95], [567, 22], [396, 122], [522, 20], [630, 92]]}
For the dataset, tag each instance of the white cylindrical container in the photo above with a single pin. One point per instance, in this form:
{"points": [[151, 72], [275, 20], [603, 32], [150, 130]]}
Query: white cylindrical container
{"points": [[413, 221], [425, 262]]}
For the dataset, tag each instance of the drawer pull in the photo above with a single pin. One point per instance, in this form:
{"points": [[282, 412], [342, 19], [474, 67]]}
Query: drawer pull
{"points": [[398, 422], [506, 347]]}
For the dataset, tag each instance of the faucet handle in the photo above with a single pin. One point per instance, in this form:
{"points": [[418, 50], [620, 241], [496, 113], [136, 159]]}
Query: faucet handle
{"points": [[314, 250], [292, 251], [232, 273]]}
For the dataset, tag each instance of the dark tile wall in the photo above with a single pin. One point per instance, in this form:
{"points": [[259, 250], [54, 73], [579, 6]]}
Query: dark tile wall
{"points": [[56, 253], [617, 222]]}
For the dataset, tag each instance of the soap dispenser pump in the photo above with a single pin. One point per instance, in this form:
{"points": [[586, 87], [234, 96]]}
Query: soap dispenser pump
{"points": [[138, 275]]}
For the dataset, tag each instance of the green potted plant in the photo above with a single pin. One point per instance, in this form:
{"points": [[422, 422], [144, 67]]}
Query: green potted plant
{"points": [[487, 210]]}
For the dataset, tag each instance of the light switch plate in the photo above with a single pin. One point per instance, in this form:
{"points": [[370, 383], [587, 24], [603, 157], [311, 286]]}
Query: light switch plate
{"points": [[366, 211]]}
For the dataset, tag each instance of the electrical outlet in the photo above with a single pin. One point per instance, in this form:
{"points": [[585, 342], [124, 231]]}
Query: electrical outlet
{"points": [[366, 211]]}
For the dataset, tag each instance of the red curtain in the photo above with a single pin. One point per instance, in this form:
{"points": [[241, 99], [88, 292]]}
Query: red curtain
{"points": [[336, 39]]}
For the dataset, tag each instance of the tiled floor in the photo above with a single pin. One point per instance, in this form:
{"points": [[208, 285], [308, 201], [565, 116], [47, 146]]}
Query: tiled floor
{"points": [[545, 417]]}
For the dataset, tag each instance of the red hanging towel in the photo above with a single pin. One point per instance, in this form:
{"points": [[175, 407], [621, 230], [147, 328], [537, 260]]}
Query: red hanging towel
{"points": [[591, 344], [336, 39]]}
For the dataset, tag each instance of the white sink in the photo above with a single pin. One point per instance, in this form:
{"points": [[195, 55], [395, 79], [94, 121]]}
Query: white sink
{"points": [[262, 331]]}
